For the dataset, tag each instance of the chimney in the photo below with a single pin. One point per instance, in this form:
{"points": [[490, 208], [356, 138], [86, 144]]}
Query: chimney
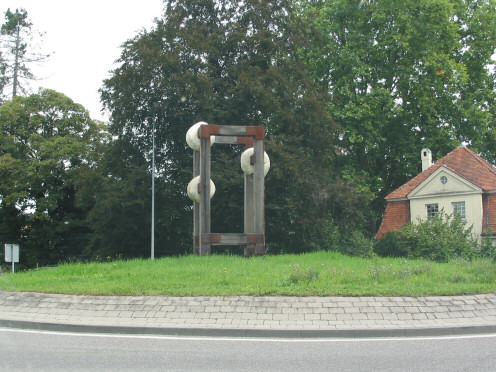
{"points": [[426, 156]]}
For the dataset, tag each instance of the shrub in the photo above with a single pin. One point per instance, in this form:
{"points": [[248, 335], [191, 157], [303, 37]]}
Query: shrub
{"points": [[486, 249], [390, 246], [332, 236], [356, 244], [440, 238]]}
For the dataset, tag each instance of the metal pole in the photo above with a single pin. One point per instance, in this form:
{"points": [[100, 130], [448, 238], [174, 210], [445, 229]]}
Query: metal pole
{"points": [[153, 192]]}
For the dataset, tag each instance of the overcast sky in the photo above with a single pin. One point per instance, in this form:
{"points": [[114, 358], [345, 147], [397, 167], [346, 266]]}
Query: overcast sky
{"points": [[84, 37]]}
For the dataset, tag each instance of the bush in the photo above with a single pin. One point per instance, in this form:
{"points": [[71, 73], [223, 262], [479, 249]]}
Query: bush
{"points": [[356, 244], [390, 246], [440, 238], [486, 249]]}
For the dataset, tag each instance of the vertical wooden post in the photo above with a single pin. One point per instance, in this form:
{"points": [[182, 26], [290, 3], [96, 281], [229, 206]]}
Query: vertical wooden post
{"points": [[205, 248], [259, 191], [249, 213], [196, 206]]}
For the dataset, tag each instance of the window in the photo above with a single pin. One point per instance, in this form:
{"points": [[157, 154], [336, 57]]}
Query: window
{"points": [[432, 210], [459, 207]]}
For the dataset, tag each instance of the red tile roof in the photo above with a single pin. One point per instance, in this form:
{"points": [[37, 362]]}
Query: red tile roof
{"points": [[462, 161], [396, 215]]}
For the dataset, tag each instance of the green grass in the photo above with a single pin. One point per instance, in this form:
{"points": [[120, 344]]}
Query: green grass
{"points": [[320, 274]]}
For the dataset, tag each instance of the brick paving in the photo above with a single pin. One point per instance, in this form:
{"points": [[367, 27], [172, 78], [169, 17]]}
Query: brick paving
{"points": [[247, 315]]}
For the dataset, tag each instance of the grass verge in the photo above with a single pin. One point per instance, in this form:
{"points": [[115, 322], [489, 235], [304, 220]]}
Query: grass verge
{"points": [[312, 274]]}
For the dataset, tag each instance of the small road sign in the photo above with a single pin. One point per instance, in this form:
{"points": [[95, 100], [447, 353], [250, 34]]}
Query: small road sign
{"points": [[12, 254]]}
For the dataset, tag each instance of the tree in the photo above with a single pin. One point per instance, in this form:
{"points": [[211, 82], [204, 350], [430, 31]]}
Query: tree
{"points": [[233, 63], [47, 143], [404, 75], [17, 31], [3, 77], [116, 195]]}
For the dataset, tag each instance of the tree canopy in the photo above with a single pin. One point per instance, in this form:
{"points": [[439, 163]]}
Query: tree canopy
{"points": [[348, 93], [46, 142], [404, 75], [232, 63]]}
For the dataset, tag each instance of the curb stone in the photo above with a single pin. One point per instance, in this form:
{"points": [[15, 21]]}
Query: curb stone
{"points": [[250, 333]]}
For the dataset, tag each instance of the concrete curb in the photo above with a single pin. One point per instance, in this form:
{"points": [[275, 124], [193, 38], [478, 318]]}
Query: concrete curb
{"points": [[249, 333]]}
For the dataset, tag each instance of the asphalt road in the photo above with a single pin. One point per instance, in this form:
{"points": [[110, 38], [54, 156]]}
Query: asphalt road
{"points": [[24, 350]]}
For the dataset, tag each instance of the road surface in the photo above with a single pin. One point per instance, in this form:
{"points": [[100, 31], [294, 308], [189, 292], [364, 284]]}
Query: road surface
{"points": [[24, 350]]}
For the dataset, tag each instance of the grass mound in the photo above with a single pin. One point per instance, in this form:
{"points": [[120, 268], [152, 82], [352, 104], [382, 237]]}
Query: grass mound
{"points": [[320, 274]]}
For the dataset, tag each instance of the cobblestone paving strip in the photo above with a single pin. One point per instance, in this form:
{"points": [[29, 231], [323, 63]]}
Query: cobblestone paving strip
{"points": [[246, 312]]}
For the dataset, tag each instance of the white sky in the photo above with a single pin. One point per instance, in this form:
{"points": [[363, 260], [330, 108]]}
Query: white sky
{"points": [[84, 38]]}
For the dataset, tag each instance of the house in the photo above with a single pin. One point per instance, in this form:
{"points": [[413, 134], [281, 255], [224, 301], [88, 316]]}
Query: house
{"points": [[460, 182]]}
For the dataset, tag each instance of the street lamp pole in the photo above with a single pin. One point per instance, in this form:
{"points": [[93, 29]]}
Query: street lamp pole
{"points": [[153, 192]]}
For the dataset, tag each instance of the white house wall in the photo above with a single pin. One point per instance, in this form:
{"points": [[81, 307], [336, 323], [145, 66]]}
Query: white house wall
{"points": [[473, 209], [456, 189]]}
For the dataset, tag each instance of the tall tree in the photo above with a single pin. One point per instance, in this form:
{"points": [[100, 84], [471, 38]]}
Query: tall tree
{"points": [[20, 52], [46, 143], [233, 63], [116, 195], [404, 75], [3, 76]]}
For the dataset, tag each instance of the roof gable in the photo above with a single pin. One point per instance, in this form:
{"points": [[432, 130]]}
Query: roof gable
{"points": [[462, 162], [454, 184]]}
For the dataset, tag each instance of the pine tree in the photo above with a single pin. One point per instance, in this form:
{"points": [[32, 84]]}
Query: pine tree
{"points": [[19, 52]]}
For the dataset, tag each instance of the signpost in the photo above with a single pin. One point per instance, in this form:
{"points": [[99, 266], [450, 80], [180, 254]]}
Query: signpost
{"points": [[12, 254]]}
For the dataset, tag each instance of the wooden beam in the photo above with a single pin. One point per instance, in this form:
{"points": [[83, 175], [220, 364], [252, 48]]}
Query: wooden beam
{"points": [[205, 191], [231, 239], [235, 140], [226, 140], [257, 132], [196, 206], [259, 194], [232, 130], [249, 212]]}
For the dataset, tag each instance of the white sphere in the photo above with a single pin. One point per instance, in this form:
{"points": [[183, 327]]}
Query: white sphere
{"points": [[245, 162], [192, 138], [193, 189]]}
